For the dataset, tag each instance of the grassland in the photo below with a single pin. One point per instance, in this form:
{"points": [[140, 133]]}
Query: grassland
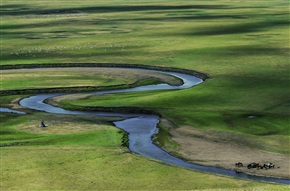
{"points": [[242, 46], [79, 77], [85, 153]]}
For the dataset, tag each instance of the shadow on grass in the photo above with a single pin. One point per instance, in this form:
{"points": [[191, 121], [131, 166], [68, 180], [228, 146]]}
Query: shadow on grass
{"points": [[216, 30], [239, 28], [11, 6], [248, 50], [22, 10], [113, 21], [185, 18], [54, 23], [73, 54], [234, 52]]}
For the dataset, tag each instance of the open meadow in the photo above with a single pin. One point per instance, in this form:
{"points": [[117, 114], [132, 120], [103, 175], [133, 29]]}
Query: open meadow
{"points": [[240, 113]]}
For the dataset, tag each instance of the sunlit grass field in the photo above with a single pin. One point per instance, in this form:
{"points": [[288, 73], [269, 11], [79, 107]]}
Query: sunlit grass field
{"points": [[242, 45], [85, 153], [78, 77]]}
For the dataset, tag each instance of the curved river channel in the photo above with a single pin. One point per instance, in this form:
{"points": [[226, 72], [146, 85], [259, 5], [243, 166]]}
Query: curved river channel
{"points": [[142, 127]]}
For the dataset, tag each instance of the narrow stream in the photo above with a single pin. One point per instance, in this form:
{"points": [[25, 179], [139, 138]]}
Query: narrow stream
{"points": [[141, 127], [6, 110]]}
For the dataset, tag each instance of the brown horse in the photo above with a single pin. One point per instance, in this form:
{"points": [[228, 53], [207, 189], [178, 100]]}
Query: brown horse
{"points": [[239, 164], [252, 165], [255, 165], [258, 166]]}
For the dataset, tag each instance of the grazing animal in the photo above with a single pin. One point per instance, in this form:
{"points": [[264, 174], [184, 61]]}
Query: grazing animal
{"points": [[268, 166], [42, 124], [253, 165], [258, 166], [239, 164]]}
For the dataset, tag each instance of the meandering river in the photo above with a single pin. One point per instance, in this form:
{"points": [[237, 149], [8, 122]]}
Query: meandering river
{"points": [[142, 127]]}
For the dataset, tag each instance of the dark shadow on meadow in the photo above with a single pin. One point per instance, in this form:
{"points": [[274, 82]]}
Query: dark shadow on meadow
{"points": [[102, 52], [59, 22], [234, 52], [239, 28], [22, 10], [247, 50], [75, 21]]}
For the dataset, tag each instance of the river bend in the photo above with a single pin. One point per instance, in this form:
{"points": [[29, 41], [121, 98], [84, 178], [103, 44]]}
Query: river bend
{"points": [[142, 127]]}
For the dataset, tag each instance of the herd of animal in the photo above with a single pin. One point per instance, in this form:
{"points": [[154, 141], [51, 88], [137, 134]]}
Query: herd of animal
{"points": [[256, 165]]}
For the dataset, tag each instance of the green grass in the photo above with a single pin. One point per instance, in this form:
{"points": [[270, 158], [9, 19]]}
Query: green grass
{"points": [[183, 110], [62, 130], [91, 160], [242, 46], [79, 77], [8, 99], [20, 80], [96, 168]]}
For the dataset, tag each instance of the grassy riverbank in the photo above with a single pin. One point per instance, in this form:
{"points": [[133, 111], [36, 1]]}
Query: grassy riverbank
{"points": [[85, 153], [76, 79], [266, 131], [242, 46]]}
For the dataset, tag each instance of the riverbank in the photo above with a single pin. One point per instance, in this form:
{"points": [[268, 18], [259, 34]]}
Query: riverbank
{"points": [[222, 149], [141, 122], [209, 148], [73, 78], [215, 146]]}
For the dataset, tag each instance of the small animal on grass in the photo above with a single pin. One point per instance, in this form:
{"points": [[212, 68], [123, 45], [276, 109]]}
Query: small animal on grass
{"points": [[254, 165], [42, 124], [251, 165], [258, 166], [239, 164]]}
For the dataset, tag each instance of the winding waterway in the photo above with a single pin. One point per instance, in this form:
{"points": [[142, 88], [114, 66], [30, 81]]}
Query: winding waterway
{"points": [[142, 127]]}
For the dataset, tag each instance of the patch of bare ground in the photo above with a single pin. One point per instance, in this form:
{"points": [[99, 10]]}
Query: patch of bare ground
{"points": [[15, 104], [55, 100], [216, 149]]}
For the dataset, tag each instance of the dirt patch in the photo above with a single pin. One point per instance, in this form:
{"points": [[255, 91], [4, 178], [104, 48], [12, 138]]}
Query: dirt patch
{"points": [[55, 100], [15, 104], [216, 150]]}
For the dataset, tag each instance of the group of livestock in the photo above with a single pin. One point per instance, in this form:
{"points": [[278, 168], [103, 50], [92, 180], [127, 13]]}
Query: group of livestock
{"points": [[256, 165]]}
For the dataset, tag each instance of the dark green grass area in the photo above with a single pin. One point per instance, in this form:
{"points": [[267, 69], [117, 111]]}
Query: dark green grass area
{"points": [[5, 100]]}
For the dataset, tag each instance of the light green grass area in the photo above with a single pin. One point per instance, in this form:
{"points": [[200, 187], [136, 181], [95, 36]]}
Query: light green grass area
{"points": [[79, 77], [43, 79], [97, 168], [62, 130], [242, 45]]}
